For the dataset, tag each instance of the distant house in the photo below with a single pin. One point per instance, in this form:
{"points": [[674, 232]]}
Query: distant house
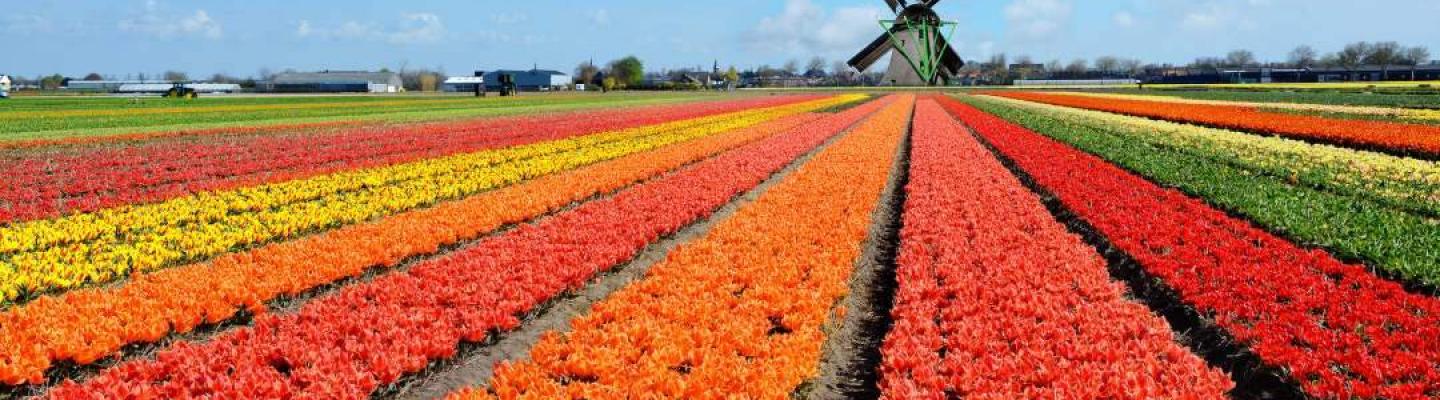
{"points": [[335, 82], [531, 80]]}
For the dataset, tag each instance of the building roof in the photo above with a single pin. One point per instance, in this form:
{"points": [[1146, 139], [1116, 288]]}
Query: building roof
{"points": [[335, 77], [531, 72], [461, 80]]}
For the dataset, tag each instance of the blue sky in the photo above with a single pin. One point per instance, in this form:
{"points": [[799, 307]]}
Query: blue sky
{"points": [[119, 37]]}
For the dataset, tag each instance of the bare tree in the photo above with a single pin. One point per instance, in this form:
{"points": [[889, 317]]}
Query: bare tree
{"points": [[792, 67], [1131, 67], [93, 77], [1076, 69], [1353, 55], [1240, 58], [1054, 67], [1107, 64], [997, 69], [842, 72], [1303, 57], [1384, 54], [586, 71], [174, 76], [815, 68], [1414, 56], [223, 78], [1207, 62]]}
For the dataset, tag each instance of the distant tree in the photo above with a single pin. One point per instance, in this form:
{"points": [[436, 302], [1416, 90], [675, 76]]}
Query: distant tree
{"points": [[1240, 58], [1024, 59], [1131, 67], [265, 74], [585, 72], [628, 71], [841, 72], [1353, 56], [223, 78], [1107, 64], [766, 71], [93, 77], [1415, 56], [1054, 67], [608, 83], [174, 76], [51, 82], [732, 77], [1303, 57], [1207, 63], [815, 68], [1384, 54], [1077, 68], [997, 69], [791, 68], [429, 82], [1328, 60]]}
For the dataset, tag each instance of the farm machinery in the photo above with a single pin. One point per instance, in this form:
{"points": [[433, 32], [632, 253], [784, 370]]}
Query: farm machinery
{"points": [[181, 91]]}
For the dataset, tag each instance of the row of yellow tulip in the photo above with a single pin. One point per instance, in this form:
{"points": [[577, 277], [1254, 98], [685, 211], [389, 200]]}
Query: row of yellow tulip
{"points": [[1408, 183], [143, 238]]}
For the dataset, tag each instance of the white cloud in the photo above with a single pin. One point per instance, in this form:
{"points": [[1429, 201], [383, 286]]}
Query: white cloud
{"points": [[155, 22], [419, 28], [27, 24], [303, 29], [803, 27], [413, 28], [1220, 15], [1124, 19], [509, 18], [599, 17], [1037, 19]]}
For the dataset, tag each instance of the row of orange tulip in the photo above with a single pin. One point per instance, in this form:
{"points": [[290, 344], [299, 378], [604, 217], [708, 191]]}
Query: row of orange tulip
{"points": [[738, 313]]}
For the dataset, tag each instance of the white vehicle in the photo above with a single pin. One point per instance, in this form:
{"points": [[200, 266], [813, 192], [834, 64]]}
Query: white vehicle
{"points": [[4, 86]]}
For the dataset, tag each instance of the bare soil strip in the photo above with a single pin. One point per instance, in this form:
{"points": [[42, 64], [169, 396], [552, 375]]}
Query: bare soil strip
{"points": [[850, 362], [1253, 378], [476, 362]]}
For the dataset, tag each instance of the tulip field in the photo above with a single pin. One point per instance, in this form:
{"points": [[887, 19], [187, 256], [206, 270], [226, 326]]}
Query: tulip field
{"points": [[926, 245]]}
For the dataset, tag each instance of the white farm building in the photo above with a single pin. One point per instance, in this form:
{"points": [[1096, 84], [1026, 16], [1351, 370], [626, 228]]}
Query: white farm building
{"points": [[335, 82]]}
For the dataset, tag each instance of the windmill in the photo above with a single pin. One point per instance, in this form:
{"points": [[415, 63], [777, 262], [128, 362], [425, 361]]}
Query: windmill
{"points": [[920, 55]]}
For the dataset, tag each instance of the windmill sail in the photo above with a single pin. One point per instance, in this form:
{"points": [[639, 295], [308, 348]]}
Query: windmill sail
{"points": [[912, 62]]}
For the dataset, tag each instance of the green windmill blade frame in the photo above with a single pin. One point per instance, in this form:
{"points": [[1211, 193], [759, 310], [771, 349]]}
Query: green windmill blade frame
{"points": [[931, 51]]}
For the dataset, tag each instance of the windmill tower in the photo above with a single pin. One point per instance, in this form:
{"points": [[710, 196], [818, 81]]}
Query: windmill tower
{"points": [[919, 53]]}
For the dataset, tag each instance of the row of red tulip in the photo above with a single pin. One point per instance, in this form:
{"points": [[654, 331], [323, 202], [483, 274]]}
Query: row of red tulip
{"points": [[1338, 330], [1384, 135], [347, 344], [984, 266], [49, 184]]}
